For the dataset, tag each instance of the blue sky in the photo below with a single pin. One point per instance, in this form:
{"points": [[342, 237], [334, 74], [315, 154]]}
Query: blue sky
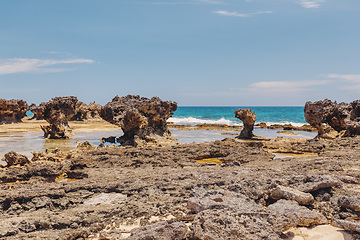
{"points": [[194, 52]]}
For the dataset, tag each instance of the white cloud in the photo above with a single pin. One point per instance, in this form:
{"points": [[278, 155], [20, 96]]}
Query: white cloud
{"points": [[22, 65], [236, 14], [311, 3], [273, 87], [351, 78]]}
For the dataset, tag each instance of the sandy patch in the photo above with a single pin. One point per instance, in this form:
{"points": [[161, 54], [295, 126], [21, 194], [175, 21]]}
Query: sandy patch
{"points": [[321, 232]]}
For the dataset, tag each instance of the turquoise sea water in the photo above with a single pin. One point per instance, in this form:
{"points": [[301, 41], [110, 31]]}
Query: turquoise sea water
{"points": [[225, 115]]}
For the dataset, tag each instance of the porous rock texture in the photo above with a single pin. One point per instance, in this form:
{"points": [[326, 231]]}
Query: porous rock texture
{"points": [[12, 111], [13, 158], [333, 119], [115, 192], [57, 113], [86, 112], [248, 118], [141, 119]]}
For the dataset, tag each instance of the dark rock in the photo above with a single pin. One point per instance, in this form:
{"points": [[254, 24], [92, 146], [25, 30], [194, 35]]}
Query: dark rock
{"points": [[248, 118], [142, 120], [12, 158], [12, 111], [57, 113]]}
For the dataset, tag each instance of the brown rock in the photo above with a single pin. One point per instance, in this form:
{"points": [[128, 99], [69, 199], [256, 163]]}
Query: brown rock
{"points": [[12, 158], [142, 120], [248, 118], [281, 192], [86, 112], [12, 111], [57, 113]]}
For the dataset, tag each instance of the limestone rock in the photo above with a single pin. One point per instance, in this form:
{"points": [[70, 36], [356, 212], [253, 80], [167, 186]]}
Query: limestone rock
{"points": [[160, 231], [12, 158], [316, 182], [248, 118], [289, 214], [281, 192], [347, 225], [57, 113], [86, 112], [141, 119], [12, 111], [350, 202], [327, 116]]}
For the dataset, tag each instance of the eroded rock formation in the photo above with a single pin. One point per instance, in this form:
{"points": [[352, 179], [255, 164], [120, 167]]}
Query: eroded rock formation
{"points": [[248, 118], [86, 112], [57, 113], [141, 119], [333, 119], [12, 111], [13, 158]]}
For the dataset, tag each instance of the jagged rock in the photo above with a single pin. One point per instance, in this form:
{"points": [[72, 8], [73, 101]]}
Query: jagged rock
{"points": [[288, 214], [142, 120], [248, 118], [221, 199], [85, 145], [316, 182], [347, 225], [333, 119], [13, 158], [160, 231], [349, 202], [57, 113], [37, 111], [281, 192], [86, 112], [12, 111]]}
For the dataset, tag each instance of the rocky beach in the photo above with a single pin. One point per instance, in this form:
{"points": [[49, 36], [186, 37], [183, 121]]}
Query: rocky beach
{"points": [[151, 187]]}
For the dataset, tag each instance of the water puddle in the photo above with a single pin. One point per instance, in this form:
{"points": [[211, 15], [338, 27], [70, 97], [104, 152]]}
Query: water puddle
{"points": [[209, 160]]}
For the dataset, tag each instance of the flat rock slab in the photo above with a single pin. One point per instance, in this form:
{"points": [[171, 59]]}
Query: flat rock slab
{"points": [[347, 225], [316, 182], [105, 198]]}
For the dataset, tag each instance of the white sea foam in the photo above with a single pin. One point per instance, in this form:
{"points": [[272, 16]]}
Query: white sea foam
{"points": [[195, 121]]}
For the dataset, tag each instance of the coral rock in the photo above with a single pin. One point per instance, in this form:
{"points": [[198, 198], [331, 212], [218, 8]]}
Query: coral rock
{"points": [[57, 113], [248, 119], [86, 112], [12, 111], [12, 158], [142, 120]]}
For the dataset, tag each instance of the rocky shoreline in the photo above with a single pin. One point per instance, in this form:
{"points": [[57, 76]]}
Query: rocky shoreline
{"points": [[154, 192]]}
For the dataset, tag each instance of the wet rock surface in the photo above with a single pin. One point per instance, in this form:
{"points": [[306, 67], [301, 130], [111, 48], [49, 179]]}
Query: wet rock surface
{"points": [[57, 113], [141, 119], [119, 191], [248, 118], [332, 119], [12, 111]]}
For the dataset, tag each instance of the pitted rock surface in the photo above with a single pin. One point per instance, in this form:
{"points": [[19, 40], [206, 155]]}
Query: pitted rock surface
{"points": [[248, 118], [141, 119], [12, 111]]}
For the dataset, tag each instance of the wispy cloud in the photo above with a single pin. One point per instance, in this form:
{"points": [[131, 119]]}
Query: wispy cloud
{"points": [[23, 65], [350, 78], [284, 86], [311, 3], [237, 14]]}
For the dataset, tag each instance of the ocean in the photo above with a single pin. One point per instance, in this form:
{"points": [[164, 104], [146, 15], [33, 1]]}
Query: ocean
{"points": [[225, 115], [26, 142]]}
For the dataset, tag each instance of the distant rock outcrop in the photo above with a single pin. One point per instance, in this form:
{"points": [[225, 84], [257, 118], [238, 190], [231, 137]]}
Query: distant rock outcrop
{"points": [[57, 113], [333, 119], [248, 118], [12, 111], [13, 158], [141, 119], [86, 112]]}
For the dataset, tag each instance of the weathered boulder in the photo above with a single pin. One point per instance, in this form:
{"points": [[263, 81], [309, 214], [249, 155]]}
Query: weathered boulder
{"points": [[141, 119], [12, 111], [347, 225], [248, 118], [12, 158], [343, 118], [281, 192], [86, 112], [57, 113], [316, 182]]}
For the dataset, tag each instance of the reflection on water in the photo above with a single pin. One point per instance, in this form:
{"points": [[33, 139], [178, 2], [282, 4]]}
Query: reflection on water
{"points": [[25, 143]]}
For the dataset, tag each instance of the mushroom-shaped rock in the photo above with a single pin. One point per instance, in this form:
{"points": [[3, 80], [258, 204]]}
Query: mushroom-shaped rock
{"points": [[334, 119], [57, 113], [248, 118], [12, 111], [141, 119]]}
